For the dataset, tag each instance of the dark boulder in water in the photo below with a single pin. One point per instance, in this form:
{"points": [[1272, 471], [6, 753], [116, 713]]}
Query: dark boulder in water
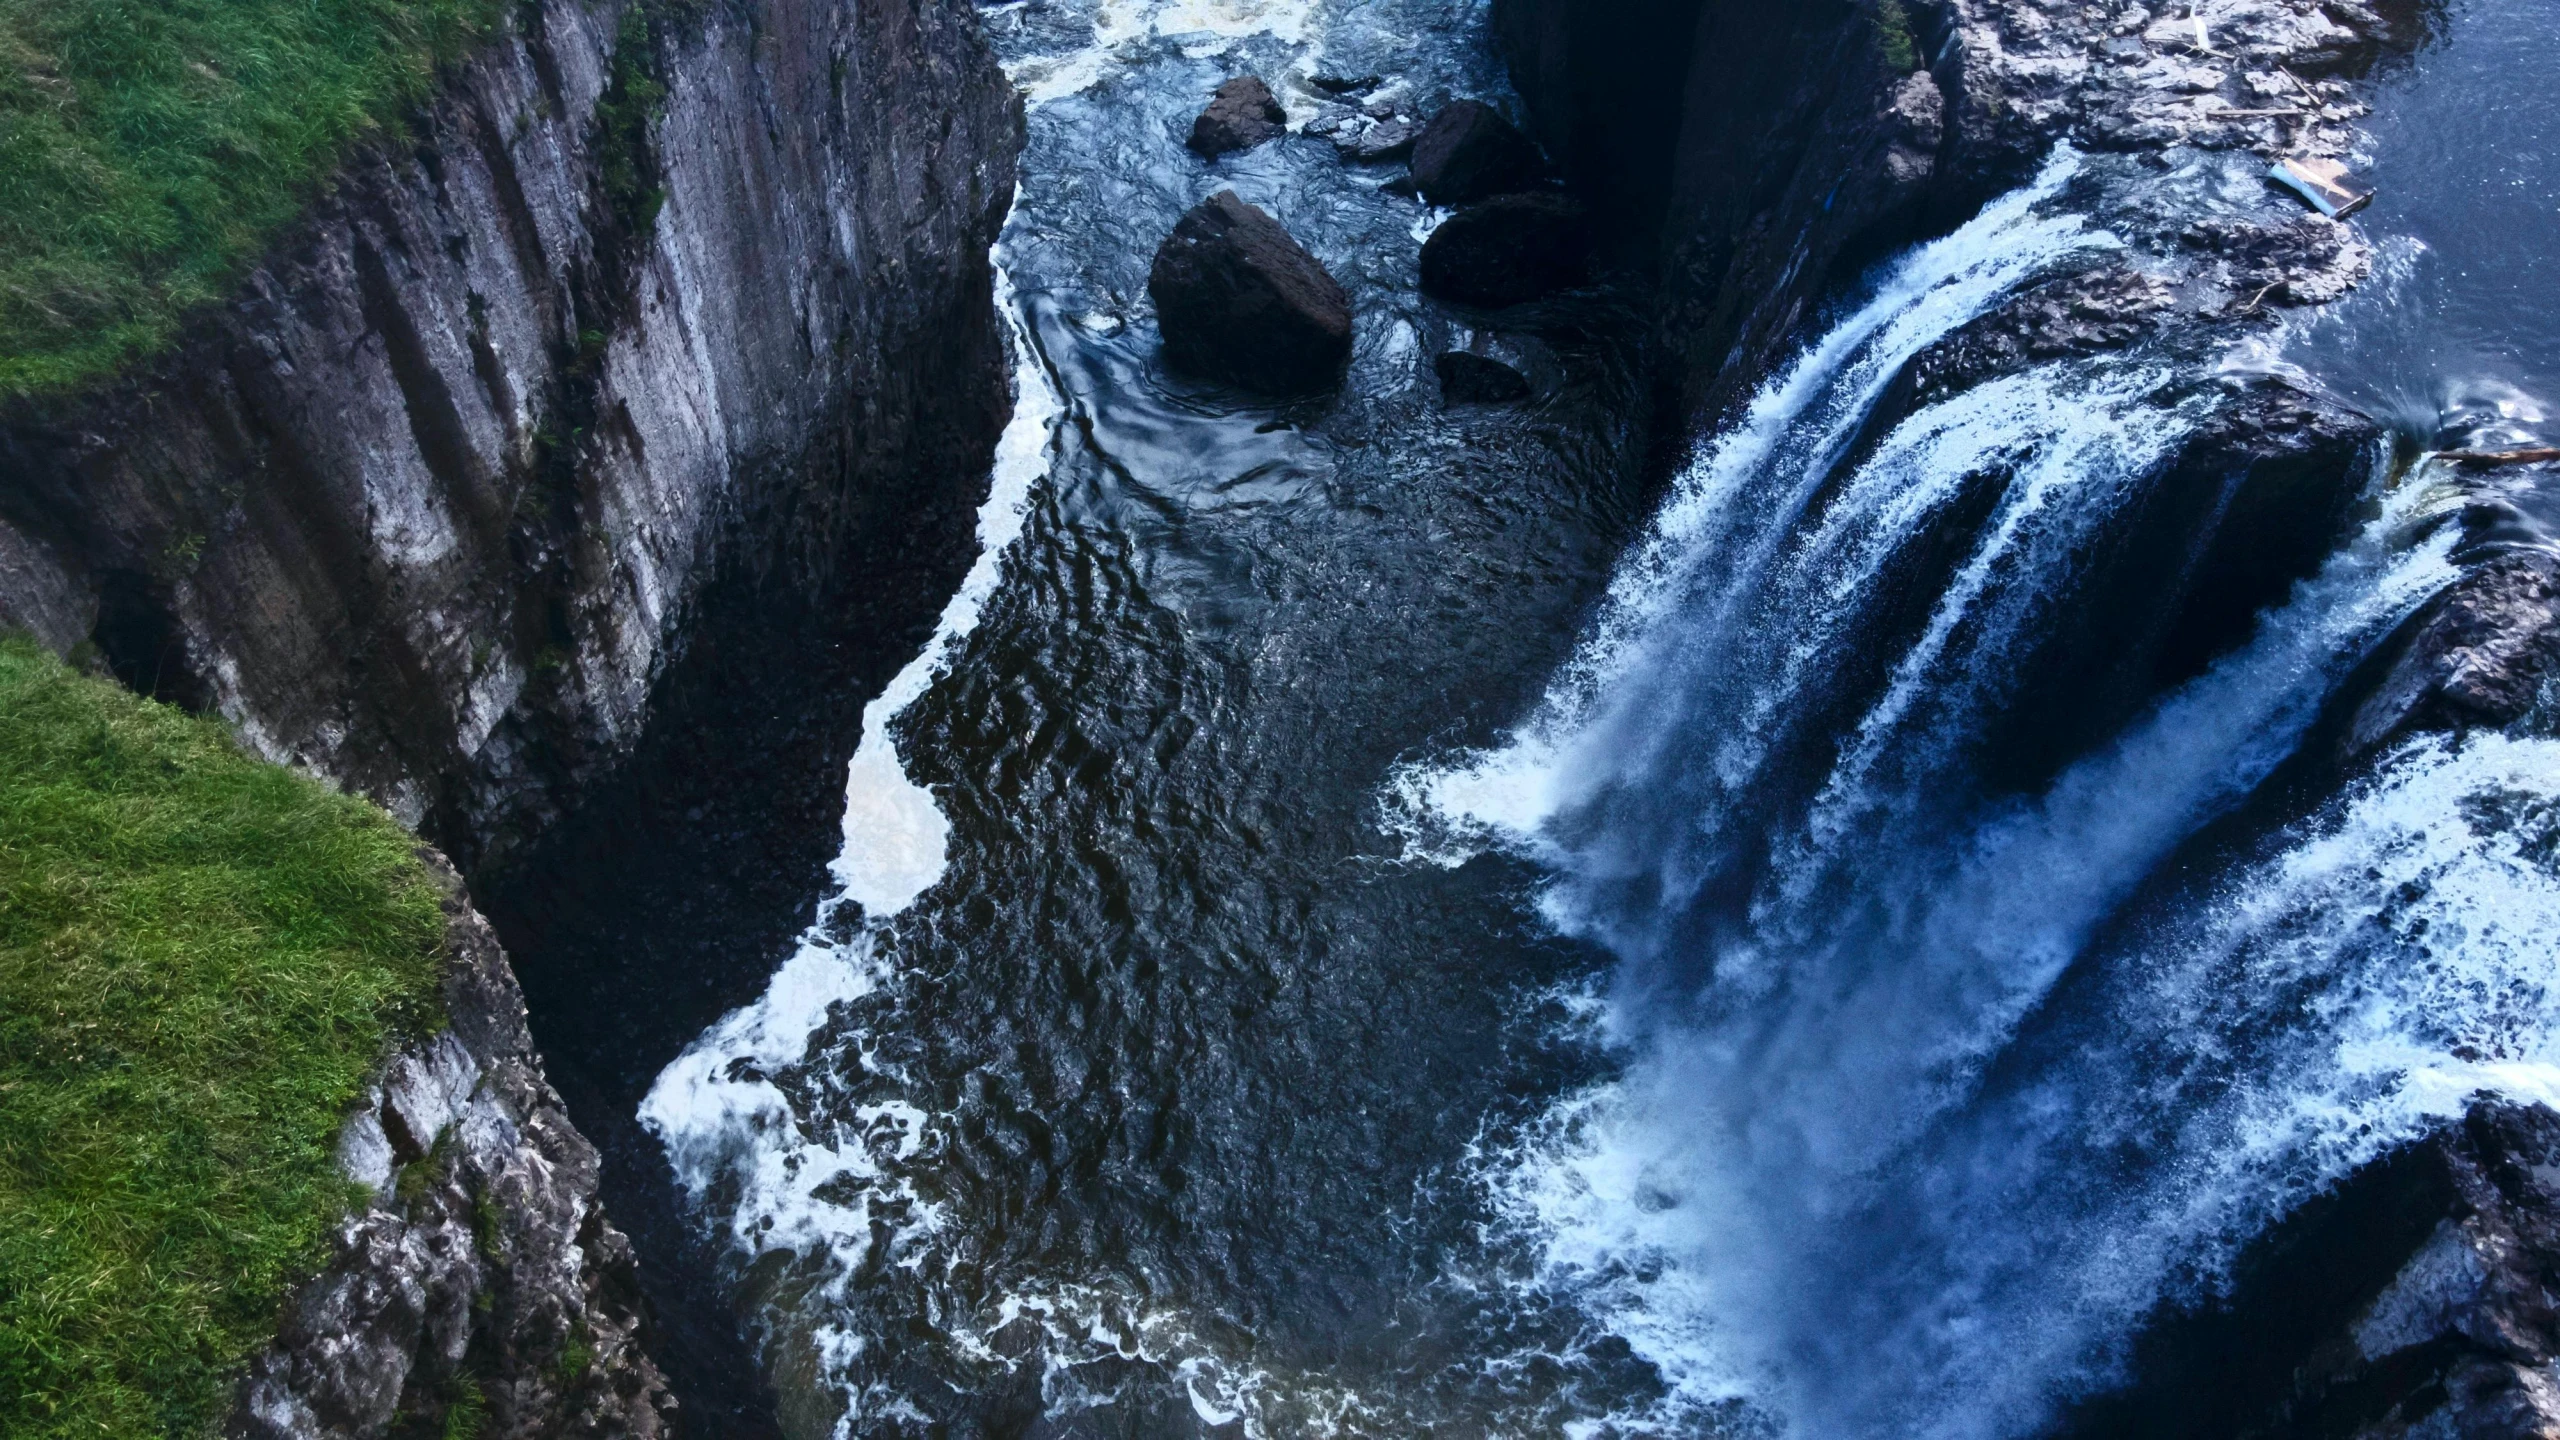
{"points": [[1467, 378], [1510, 249], [1243, 114], [1386, 140], [1469, 152], [1241, 300]]}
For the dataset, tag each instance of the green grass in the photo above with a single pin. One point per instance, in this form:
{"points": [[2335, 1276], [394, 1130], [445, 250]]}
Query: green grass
{"points": [[1894, 40], [202, 957], [149, 148]]}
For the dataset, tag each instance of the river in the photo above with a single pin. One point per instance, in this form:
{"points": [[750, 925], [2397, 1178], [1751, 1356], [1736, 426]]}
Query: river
{"points": [[1367, 920]]}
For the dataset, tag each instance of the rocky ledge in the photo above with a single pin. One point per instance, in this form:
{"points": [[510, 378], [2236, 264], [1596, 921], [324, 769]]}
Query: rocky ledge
{"points": [[1753, 159], [2416, 1299], [481, 1286]]}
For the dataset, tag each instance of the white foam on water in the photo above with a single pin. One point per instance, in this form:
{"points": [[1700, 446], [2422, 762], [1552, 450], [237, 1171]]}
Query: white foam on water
{"points": [[1726, 521], [721, 1110], [788, 1180], [896, 839], [1697, 1204], [1082, 1328], [1203, 27], [1802, 1192]]}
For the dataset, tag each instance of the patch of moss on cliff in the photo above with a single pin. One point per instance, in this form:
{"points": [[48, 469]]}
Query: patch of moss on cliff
{"points": [[1894, 39], [202, 958], [149, 148]]}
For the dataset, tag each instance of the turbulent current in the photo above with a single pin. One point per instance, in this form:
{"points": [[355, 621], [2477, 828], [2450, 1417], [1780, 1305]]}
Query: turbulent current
{"points": [[1363, 922]]}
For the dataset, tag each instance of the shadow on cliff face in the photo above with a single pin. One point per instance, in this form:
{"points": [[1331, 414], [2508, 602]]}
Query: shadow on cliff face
{"points": [[659, 905]]}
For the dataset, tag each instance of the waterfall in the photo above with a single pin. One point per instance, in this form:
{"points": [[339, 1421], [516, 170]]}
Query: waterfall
{"points": [[1921, 1103]]}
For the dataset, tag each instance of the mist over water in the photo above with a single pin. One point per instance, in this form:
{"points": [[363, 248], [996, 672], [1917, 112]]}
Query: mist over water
{"points": [[1353, 927]]}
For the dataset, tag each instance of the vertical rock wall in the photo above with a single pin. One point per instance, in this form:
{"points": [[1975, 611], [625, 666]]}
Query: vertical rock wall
{"points": [[481, 1290], [430, 505]]}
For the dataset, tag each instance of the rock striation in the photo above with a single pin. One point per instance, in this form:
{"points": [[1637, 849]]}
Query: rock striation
{"points": [[481, 1285], [435, 501], [625, 409]]}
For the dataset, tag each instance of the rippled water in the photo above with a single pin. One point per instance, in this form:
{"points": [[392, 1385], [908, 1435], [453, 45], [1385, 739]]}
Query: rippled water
{"points": [[1355, 927]]}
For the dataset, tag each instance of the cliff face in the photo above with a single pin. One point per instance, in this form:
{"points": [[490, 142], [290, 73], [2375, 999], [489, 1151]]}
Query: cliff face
{"points": [[481, 1291], [584, 448], [1754, 158], [432, 505]]}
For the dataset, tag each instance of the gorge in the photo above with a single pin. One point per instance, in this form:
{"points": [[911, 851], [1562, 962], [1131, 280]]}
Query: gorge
{"points": [[1936, 818]]}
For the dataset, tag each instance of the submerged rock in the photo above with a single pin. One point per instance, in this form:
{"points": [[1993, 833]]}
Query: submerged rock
{"points": [[1243, 114], [1467, 378], [1241, 300], [1348, 84], [1469, 152], [1508, 250]]}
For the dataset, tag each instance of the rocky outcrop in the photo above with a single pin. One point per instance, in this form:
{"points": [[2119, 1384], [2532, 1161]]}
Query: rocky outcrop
{"points": [[1243, 114], [1754, 158], [2108, 308], [1241, 300], [2414, 1299], [2481, 654], [625, 411], [480, 1290], [649, 298], [1509, 250], [1470, 152]]}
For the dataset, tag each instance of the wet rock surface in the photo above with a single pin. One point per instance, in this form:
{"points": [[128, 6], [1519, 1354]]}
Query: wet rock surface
{"points": [[2104, 309], [1240, 300], [2415, 1299], [1508, 250], [482, 1278], [2482, 654], [1243, 114], [1758, 159], [1470, 152]]}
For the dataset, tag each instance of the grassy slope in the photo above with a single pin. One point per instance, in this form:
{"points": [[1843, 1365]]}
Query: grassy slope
{"points": [[150, 147], [201, 958]]}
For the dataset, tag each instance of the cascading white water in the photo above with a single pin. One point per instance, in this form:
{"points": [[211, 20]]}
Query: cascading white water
{"points": [[719, 1108], [1866, 1166]]}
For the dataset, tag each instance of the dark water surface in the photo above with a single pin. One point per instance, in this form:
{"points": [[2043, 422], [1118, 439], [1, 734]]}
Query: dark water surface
{"points": [[1405, 939]]}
